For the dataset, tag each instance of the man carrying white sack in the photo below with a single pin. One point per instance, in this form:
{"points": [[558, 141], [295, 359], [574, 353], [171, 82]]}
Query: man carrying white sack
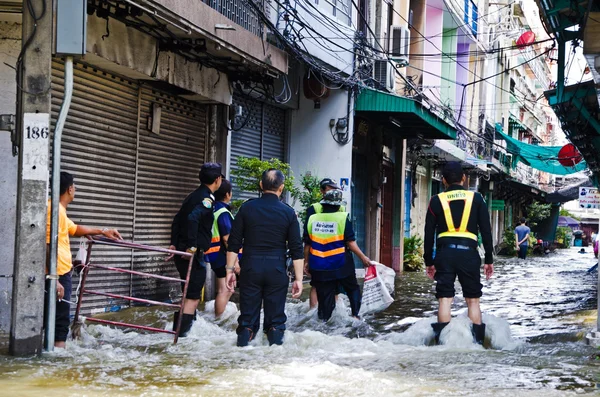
{"points": [[329, 244]]}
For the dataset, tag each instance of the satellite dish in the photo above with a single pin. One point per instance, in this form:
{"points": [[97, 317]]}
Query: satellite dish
{"points": [[569, 156], [526, 39]]}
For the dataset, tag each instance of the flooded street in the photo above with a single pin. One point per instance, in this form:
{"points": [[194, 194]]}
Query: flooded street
{"points": [[537, 313]]}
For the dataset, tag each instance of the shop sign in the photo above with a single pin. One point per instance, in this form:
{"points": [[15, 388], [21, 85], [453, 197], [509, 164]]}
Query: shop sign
{"points": [[498, 205], [589, 197]]}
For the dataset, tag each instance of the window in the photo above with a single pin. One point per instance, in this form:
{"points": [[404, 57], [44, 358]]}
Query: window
{"points": [[341, 9]]}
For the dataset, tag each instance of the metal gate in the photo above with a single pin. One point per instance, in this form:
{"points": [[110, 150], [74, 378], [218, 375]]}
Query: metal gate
{"points": [[126, 176], [259, 132]]}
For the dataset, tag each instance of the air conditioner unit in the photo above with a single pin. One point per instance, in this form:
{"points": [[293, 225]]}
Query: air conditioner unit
{"points": [[384, 74], [399, 48]]}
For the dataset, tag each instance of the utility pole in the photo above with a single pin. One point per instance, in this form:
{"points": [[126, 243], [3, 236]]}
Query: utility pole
{"points": [[32, 132]]}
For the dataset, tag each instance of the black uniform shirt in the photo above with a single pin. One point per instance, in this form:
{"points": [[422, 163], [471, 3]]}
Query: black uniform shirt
{"points": [[192, 226], [349, 235], [479, 221], [266, 226]]}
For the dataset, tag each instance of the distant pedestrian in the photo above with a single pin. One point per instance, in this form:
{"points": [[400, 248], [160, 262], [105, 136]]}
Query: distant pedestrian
{"points": [[64, 266], [266, 228], [216, 254], [522, 238], [328, 254], [191, 231], [457, 253]]}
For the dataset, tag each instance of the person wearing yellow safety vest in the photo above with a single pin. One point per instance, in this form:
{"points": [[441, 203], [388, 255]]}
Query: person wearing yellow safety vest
{"points": [[457, 215], [328, 254], [216, 254], [325, 185]]}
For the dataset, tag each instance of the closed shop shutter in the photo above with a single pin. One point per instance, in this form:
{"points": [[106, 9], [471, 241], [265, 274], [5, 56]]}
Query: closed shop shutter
{"points": [[99, 149], [132, 182], [259, 132], [168, 168]]}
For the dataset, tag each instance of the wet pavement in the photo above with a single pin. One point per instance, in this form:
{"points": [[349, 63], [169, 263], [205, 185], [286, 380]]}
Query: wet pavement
{"points": [[537, 313]]}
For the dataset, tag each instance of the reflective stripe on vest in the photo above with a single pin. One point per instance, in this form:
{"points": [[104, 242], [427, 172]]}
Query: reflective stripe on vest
{"points": [[318, 207], [215, 242], [327, 248], [460, 231]]}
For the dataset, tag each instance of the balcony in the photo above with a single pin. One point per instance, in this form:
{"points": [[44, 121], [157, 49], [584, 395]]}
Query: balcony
{"points": [[240, 13], [466, 12]]}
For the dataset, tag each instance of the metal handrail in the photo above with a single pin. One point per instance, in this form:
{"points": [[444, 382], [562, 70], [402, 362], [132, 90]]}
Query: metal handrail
{"points": [[130, 245]]}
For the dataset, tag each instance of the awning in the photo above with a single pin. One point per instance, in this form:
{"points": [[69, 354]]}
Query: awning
{"points": [[578, 112], [567, 221], [511, 189], [408, 116]]}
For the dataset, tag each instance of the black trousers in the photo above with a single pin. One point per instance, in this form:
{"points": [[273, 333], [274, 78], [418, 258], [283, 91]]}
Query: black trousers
{"points": [[263, 282], [197, 275], [326, 291], [451, 263], [63, 309]]}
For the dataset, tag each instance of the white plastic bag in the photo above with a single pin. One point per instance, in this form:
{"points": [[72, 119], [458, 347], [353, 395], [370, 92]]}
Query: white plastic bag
{"points": [[375, 296], [81, 256], [388, 275]]}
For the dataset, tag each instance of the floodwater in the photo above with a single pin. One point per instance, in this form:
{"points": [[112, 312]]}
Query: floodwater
{"points": [[537, 313]]}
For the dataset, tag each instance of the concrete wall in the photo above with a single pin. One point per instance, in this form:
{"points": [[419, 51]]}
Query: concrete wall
{"points": [[434, 25], [312, 147], [10, 44]]}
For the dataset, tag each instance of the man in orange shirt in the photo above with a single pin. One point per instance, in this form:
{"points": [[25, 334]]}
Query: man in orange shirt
{"points": [[67, 228]]}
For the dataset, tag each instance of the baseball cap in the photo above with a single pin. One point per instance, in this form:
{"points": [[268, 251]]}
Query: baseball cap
{"points": [[452, 170], [211, 170], [328, 182]]}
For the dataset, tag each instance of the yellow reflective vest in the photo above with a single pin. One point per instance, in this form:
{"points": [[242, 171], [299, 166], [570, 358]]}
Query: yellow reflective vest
{"points": [[461, 231]]}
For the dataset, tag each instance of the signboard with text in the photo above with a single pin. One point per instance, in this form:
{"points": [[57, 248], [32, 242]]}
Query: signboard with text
{"points": [[589, 197]]}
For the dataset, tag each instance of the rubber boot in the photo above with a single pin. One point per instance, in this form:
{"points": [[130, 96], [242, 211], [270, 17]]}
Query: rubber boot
{"points": [[437, 330], [275, 336], [244, 337], [186, 323], [478, 331]]}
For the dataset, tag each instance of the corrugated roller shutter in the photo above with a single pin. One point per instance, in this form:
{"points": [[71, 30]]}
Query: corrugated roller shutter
{"points": [[259, 132], [168, 166], [274, 133], [99, 149]]}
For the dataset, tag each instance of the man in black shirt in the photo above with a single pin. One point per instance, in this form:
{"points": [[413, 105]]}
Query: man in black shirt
{"points": [[191, 231], [266, 228], [457, 215]]}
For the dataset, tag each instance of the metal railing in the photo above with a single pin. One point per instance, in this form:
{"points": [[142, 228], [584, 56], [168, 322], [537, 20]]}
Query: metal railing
{"points": [[130, 246], [240, 12]]}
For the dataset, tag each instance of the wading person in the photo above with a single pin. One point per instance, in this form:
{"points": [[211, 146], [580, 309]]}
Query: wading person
{"points": [[266, 228], [325, 185], [191, 231], [457, 215], [522, 238], [328, 254], [216, 254], [66, 228]]}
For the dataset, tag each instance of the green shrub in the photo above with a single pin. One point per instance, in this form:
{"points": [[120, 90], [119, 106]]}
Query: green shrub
{"points": [[563, 236], [310, 194], [413, 254], [509, 240]]}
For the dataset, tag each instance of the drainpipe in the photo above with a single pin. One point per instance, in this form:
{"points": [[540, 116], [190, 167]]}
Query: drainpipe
{"points": [[52, 276]]}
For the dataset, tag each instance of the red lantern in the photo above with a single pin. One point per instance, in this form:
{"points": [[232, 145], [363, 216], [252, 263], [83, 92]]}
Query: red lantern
{"points": [[569, 156], [525, 39]]}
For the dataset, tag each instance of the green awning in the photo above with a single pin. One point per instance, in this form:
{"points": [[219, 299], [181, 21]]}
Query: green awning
{"points": [[516, 123], [578, 112], [408, 116]]}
